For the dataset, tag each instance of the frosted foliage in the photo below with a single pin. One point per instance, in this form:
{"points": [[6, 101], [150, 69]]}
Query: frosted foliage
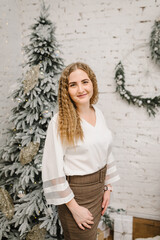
{"points": [[21, 191], [44, 32]]}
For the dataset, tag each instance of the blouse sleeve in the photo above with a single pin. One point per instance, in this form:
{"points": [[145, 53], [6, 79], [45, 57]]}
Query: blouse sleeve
{"points": [[55, 185], [112, 173]]}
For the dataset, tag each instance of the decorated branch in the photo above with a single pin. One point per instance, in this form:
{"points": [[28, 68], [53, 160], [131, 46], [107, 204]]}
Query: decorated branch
{"points": [[155, 42], [150, 104], [108, 219]]}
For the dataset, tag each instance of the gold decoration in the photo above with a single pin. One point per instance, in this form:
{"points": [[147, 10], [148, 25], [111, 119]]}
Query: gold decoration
{"points": [[31, 78], [27, 153], [36, 233], [6, 204]]}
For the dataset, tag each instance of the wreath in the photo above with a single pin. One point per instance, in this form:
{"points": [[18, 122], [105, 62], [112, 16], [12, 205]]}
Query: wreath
{"points": [[155, 42], [150, 104]]}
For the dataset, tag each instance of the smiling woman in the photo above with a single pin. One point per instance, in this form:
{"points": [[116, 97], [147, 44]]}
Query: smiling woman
{"points": [[78, 167], [80, 88]]}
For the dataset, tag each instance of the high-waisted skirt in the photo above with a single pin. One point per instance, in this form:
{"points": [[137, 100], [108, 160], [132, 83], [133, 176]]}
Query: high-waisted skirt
{"points": [[88, 191]]}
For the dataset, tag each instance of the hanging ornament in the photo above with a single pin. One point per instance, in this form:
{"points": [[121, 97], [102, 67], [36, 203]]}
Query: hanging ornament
{"points": [[39, 166], [21, 193], [31, 130], [47, 112], [36, 233], [31, 78], [6, 204], [18, 99], [57, 52], [41, 73], [27, 153]]}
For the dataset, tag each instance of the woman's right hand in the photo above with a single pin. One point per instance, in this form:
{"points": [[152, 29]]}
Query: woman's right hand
{"points": [[81, 215]]}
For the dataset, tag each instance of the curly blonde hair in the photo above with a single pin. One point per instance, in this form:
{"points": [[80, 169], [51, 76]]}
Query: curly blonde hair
{"points": [[69, 123]]}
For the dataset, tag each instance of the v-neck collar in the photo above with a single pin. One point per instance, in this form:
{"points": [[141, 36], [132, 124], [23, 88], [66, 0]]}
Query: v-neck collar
{"points": [[88, 122]]}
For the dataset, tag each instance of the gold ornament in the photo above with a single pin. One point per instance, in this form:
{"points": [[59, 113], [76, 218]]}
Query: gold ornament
{"points": [[6, 204], [36, 233], [27, 153], [31, 78]]}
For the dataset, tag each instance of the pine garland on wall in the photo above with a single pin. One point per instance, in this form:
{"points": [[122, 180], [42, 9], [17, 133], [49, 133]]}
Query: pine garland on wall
{"points": [[24, 213], [155, 42], [150, 104]]}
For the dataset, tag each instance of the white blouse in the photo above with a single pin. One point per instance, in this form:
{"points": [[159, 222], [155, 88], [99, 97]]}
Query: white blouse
{"points": [[88, 156]]}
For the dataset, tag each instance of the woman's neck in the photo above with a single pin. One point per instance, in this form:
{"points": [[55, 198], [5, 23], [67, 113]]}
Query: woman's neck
{"points": [[84, 109]]}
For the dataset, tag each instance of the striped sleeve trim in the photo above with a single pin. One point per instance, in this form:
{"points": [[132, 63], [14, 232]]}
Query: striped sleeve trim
{"points": [[58, 194], [112, 180], [58, 187], [112, 174], [57, 191], [54, 182], [60, 201]]}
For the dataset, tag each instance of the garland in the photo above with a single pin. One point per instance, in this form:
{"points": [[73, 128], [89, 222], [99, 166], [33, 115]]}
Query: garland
{"points": [[155, 42], [108, 220], [150, 104]]}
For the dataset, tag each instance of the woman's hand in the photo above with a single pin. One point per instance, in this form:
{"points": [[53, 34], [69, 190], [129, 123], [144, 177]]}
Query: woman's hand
{"points": [[81, 215], [106, 199]]}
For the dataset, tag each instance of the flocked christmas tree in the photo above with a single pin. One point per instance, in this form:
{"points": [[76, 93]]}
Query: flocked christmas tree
{"points": [[22, 204]]}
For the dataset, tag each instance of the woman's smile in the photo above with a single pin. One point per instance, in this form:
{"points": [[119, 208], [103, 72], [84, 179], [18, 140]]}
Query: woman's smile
{"points": [[82, 95]]}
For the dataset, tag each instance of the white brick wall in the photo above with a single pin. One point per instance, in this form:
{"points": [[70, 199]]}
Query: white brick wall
{"points": [[101, 33]]}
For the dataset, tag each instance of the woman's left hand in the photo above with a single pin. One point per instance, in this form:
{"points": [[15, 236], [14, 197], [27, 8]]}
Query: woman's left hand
{"points": [[106, 199]]}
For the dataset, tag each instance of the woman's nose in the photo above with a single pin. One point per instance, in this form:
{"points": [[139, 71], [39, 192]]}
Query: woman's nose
{"points": [[80, 88]]}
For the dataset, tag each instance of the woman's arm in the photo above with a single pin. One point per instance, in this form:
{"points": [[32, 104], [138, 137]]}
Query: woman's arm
{"points": [[56, 188], [106, 199]]}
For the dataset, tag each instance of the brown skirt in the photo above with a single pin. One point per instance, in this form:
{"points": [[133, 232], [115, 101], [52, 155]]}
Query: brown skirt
{"points": [[88, 191]]}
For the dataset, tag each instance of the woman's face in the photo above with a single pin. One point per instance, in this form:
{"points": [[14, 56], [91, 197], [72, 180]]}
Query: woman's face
{"points": [[80, 87]]}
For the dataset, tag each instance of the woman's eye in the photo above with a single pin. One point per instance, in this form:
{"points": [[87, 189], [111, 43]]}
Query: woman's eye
{"points": [[85, 82], [72, 85]]}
